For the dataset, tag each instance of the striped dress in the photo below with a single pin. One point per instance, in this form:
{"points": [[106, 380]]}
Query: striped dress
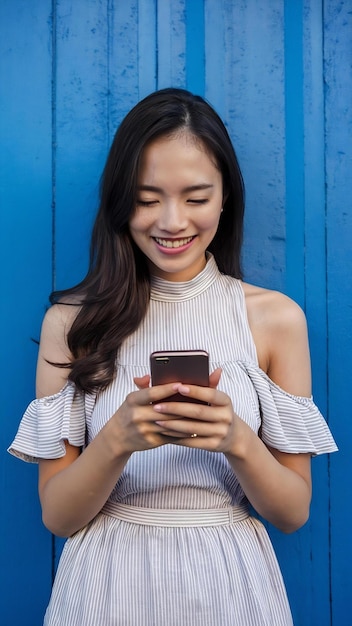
{"points": [[175, 544]]}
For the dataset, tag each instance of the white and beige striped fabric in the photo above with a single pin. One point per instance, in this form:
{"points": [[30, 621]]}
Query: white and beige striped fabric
{"points": [[175, 544]]}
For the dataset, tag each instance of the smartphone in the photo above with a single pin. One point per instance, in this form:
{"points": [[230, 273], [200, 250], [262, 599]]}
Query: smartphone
{"points": [[186, 366]]}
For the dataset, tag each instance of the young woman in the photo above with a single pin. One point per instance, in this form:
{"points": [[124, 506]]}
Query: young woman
{"points": [[153, 495]]}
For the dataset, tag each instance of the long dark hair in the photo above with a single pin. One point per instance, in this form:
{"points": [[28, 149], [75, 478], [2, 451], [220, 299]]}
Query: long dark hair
{"points": [[114, 295]]}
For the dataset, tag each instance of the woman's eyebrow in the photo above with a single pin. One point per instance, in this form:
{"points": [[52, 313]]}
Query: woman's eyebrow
{"points": [[199, 187]]}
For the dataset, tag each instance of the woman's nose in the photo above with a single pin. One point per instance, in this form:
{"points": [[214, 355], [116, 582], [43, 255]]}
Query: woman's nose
{"points": [[173, 217]]}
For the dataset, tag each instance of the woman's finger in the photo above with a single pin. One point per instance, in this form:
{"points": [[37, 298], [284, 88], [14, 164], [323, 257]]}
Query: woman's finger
{"points": [[211, 399], [183, 429], [142, 382], [149, 395], [214, 378]]}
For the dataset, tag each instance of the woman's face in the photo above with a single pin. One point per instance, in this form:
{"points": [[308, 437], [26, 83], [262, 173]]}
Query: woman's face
{"points": [[179, 201]]}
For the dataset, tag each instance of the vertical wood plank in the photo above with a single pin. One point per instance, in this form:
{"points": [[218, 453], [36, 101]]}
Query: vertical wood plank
{"points": [[25, 262], [294, 281], [81, 128], [195, 53], [338, 93], [214, 26], [171, 38], [315, 296], [123, 60], [147, 50]]}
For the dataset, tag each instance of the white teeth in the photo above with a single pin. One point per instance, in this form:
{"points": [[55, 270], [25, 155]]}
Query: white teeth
{"points": [[176, 243]]}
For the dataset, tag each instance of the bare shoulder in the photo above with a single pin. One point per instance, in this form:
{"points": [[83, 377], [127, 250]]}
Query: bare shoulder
{"points": [[53, 348], [273, 309], [279, 330], [60, 317]]}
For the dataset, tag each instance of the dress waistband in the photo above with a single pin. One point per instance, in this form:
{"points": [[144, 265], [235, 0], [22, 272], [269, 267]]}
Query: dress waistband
{"points": [[175, 517]]}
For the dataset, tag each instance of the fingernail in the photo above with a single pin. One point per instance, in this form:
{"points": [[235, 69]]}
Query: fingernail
{"points": [[160, 423], [157, 407]]}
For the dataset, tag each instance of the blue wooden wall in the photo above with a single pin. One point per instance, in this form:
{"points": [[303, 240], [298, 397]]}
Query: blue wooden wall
{"points": [[280, 74]]}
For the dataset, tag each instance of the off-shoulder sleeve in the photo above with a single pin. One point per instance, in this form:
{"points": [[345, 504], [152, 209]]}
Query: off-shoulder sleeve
{"points": [[49, 421], [290, 423]]}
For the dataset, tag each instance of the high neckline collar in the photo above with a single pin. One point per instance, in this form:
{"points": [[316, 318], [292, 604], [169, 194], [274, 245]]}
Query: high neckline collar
{"points": [[169, 291]]}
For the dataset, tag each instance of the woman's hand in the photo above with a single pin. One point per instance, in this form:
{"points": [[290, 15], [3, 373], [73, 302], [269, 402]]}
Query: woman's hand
{"points": [[134, 426], [213, 423]]}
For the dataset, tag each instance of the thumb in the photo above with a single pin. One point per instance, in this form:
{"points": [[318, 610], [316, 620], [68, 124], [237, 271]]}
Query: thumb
{"points": [[215, 377]]}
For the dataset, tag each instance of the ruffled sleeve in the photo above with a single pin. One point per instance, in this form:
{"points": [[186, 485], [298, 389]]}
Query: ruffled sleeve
{"points": [[290, 423], [49, 421]]}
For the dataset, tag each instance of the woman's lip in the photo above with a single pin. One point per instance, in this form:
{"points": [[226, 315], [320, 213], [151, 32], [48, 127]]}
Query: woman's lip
{"points": [[168, 246]]}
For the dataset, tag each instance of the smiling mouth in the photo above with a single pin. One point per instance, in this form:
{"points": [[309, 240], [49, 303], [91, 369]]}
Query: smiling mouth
{"points": [[173, 243]]}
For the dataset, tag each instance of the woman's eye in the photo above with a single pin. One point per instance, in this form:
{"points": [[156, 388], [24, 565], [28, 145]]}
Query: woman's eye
{"points": [[146, 202], [197, 200]]}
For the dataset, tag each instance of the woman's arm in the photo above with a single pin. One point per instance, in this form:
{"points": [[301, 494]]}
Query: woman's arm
{"points": [[278, 485], [74, 488], [282, 492]]}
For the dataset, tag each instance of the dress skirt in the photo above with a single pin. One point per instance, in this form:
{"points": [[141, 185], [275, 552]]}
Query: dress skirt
{"points": [[118, 573]]}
